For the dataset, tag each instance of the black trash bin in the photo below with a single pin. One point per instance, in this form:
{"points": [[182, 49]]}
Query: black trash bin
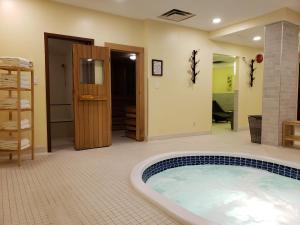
{"points": [[255, 128]]}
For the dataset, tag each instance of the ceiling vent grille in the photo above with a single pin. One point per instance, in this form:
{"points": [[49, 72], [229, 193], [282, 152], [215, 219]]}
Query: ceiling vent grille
{"points": [[176, 15]]}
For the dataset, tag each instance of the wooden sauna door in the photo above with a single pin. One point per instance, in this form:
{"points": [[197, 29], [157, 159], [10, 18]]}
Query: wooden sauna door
{"points": [[92, 98]]}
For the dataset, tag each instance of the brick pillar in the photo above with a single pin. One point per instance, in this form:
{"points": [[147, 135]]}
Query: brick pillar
{"points": [[281, 74]]}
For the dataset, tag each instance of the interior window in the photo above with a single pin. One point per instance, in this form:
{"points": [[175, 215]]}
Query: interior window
{"points": [[91, 71]]}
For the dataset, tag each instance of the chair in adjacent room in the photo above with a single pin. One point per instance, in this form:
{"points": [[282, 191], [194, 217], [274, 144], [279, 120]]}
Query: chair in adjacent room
{"points": [[220, 115]]}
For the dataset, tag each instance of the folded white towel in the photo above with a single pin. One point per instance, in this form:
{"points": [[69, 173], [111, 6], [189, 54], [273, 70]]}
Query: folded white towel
{"points": [[12, 125], [15, 61], [14, 85], [11, 143], [5, 76], [11, 103], [9, 85], [9, 80]]}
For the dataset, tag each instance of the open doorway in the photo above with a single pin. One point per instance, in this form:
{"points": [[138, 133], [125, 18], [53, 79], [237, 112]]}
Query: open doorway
{"points": [[223, 92], [123, 93], [87, 100], [127, 90], [59, 89]]}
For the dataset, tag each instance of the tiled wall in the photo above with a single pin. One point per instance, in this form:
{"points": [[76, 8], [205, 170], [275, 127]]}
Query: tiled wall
{"points": [[280, 92]]}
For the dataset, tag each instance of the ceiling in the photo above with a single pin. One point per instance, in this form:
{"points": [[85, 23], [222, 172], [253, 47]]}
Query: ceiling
{"points": [[245, 37], [231, 11]]}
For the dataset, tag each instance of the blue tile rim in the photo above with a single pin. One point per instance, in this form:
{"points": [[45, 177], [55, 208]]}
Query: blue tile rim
{"points": [[178, 161]]}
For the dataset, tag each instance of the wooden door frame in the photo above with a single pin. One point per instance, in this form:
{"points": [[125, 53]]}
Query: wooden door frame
{"points": [[140, 87], [298, 110], [47, 36]]}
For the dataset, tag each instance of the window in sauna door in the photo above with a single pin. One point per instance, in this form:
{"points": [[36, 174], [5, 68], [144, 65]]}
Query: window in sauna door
{"points": [[91, 71]]}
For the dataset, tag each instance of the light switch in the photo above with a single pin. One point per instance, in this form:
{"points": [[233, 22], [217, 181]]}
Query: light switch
{"points": [[157, 85]]}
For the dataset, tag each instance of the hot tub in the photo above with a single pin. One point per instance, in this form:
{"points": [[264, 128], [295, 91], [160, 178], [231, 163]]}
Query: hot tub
{"points": [[219, 188]]}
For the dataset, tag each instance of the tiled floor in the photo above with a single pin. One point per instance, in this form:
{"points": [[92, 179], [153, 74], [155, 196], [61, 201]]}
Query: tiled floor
{"points": [[218, 128], [92, 187]]}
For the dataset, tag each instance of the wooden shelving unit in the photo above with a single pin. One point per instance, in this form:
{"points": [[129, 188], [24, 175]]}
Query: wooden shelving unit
{"points": [[288, 133], [16, 112]]}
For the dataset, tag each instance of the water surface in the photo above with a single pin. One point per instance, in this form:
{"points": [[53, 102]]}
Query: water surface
{"points": [[232, 195]]}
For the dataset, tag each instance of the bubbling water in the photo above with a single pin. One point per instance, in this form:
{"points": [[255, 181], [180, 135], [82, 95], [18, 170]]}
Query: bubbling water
{"points": [[231, 195]]}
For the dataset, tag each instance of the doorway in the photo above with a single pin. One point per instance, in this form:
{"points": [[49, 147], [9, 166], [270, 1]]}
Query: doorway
{"points": [[127, 88], [78, 90], [223, 92], [59, 89], [123, 93]]}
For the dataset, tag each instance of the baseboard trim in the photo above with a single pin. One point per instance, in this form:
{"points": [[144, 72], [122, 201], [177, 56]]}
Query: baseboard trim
{"points": [[41, 150], [171, 136], [243, 128]]}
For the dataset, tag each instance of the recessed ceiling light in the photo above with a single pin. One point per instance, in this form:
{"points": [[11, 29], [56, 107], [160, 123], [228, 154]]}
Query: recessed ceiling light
{"points": [[257, 38], [216, 20], [132, 57]]}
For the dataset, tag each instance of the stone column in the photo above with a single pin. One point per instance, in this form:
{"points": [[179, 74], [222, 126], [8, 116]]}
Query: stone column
{"points": [[281, 74]]}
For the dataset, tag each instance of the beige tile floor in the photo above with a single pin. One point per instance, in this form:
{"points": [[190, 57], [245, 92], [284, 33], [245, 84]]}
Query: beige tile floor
{"points": [[219, 128], [92, 187]]}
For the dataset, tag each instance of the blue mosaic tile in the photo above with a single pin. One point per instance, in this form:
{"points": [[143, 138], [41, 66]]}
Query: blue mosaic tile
{"points": [[220, 160]]}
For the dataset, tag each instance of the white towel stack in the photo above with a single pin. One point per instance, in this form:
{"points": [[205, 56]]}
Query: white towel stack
{"points": [[11, 103], [12, 143], [10, 81], [12, 125], [15, 62]]}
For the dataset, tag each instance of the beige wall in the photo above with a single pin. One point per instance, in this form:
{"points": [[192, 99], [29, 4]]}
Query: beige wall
{"points": [[175, 105]]}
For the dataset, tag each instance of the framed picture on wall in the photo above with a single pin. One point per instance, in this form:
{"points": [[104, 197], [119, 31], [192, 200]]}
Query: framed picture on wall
{"points": [[157, 67]]}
